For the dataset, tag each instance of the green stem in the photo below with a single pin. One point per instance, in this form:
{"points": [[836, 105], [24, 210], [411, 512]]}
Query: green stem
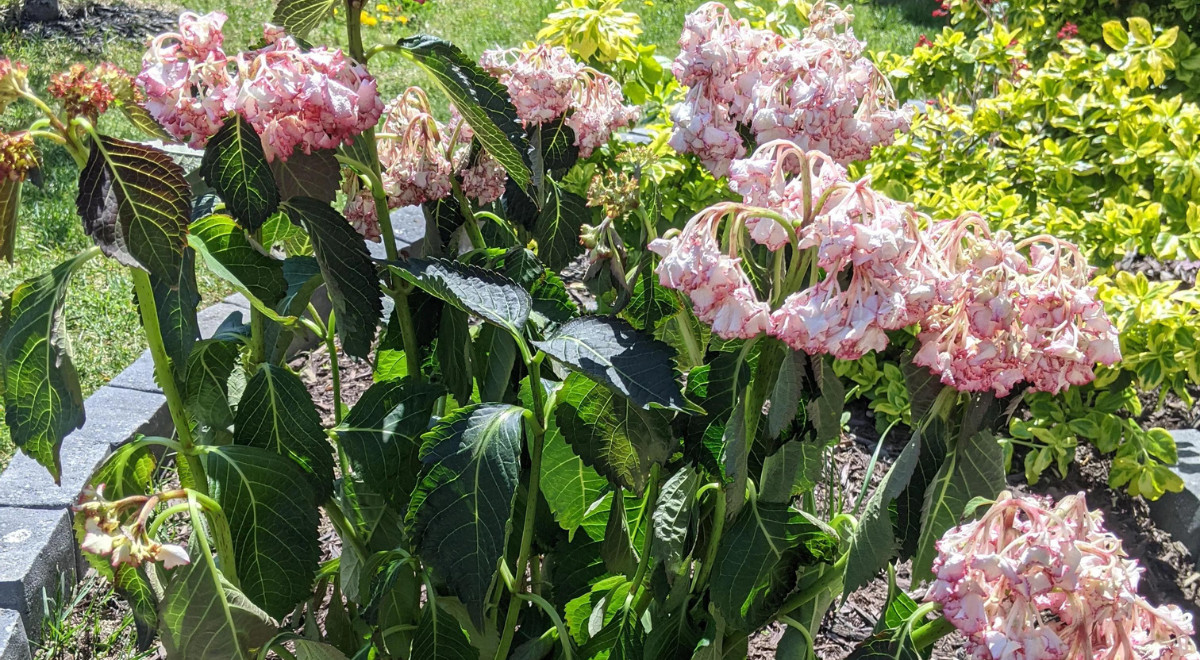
{"points": [[928, 634], [408, 334], [191, 472], [714, 540], [827, 579], [469, 221], [648, 510], [354, 30], [335, 370], [258, 322], [683, 320]]}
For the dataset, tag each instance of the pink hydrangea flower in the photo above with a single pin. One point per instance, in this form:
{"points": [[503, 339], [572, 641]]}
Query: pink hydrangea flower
{"points": [[484, 181], [818, 90], [413, 152], [1032, 580], [360, 210]]}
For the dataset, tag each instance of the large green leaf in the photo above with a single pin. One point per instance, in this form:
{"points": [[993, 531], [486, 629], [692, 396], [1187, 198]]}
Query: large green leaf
{"points": [[299, 17], [757, 558], [206, 389], [460, 512], [974, 467], [556, 149], [273, 519], [175, 303], [557, 226], [873, 543], [10, 204], [612, 352], [551, 302], [620, 440], [203, 617], [484, 293], [496, 354], [481, 99], [350, 275], [439, 637], [135, 204], [230, 254], [43, 401], [672, 517], [380, 435], [569, 485], [454, 354], [235, 166], [276, 412], [317, 175]]}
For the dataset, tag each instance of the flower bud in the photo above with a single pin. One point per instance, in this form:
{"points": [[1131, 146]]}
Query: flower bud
{"points": [[14, 79]]}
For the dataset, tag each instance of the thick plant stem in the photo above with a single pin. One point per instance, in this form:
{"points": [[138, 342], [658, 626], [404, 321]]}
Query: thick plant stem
{"points": [[710, 554], [644, 559], [408, 334], [335, 370], [928, 634], [191, 472], [827, 579], [258, 322], [470, 222]]}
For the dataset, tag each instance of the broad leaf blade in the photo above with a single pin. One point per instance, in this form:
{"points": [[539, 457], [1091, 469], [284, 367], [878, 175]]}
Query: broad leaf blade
{"points": [[10, 204], [273, 521], [231, 255], [175, 303], [317, 175], [135, 204], [277, 413], [43, 401], [381, 434], [349, 273], [206, 389], [439, 636], [873, 543], [558, 224], [460, 512], [481, 99], [569, 485], [612, 352], [484, 293], [299, 17], [672, 517], [236, 167]]}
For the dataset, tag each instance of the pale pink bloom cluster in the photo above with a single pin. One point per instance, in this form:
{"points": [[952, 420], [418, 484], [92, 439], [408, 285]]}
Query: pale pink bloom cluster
{"points": [[1004, 318], [106, 535], [1036, 581], [484, 181], [316, 99], [818, 90], [360, 209], [545, 83]]}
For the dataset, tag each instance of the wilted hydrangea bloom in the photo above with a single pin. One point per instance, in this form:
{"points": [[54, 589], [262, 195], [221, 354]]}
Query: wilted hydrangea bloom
{"points": [[1036, 581], [88, 92], [544, 83], [818, 90], [413, 152], [18, 155], [484, 180], [360, 209], [123, 542], [317, 99]]}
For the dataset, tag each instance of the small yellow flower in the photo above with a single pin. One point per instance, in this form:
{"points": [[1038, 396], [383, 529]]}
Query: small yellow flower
{"points": [[403, 20], [382, 8], [368, 19]]}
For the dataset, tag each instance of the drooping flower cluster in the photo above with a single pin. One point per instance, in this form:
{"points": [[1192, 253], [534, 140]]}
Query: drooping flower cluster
{"points": [[294, 99], [1035, 581], [413, 152], [18, 155], [14, 79], [818, 90], [990, 315], [105, 533], [545, 83], [360, 209], [88, 92], [1003, 317]]}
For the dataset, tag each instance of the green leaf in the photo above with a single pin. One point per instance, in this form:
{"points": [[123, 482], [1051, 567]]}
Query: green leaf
{"points": [[651, 304], [461, 511], [481, 99], [230, 254], [129, 470], [349, 273], [277, 413], [454, 354], [135, 204], [317, 175], [569, 485], [618, 439], [873, 543], [672, 517], [307, 649], [974, 467], [551, 302], [143, 121], [496, 354], [272, 517], [10, 205], [299, 17], [235, 166], [556, 229], [612, 352], [484, 293], [380, 435], [43, 401], [439, 636], [617, 547], [757, 558], [131, 585], [203, 617], [558, 152], [825, 411], [206, 390], [175, 303]]}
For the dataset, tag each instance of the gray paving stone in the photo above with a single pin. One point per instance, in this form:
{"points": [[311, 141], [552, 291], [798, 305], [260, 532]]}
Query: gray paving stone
{"points": [[14, 645], [37, 556], [211, 318], [237, 300], [1179, 513], [138, 376], [114, 415]]}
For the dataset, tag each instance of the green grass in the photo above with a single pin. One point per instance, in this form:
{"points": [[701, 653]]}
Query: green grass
{"points": [[87, 621]]}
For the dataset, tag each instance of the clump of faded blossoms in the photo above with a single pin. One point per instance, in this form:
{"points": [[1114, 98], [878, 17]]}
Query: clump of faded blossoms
{"points": [[117, 529], [818, 90], [294, 99], [862, 264], [1031, 580]]}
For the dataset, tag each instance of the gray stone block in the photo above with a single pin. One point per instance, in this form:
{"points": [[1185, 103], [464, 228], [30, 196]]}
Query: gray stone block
{"points": [[211, 318], [14, 645], [138, 376], [1179, 513], [37, 556], [114, 415], [237, 300]]}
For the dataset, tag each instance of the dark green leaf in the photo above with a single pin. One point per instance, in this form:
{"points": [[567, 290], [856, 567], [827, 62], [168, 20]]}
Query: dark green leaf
{"points": [[569, 485], [873, 543], [135, 204], [10, 204], [551, 302], [349, 273], [454, 353], [612, 352], [236, 168], [460, 512], [206, 390], [651, 304], [231, 255], [380, 435], [934, 435], [299, 17], [43, 401], [175, 303], [618, 439], [520, 209], [272, 517], [277, 413], [558, 151], [143, 121], [303, 277], [131, 584], [825, 411], [617, 548], [481, 99], [496, 354], [127, 471], [672, 517], [317, 175], [439, 636], [484, 293], [556, 229]]}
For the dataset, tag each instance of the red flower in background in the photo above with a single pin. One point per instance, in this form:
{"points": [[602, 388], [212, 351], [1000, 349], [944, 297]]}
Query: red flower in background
{"points": [[924, 42], [1068, 31]]}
